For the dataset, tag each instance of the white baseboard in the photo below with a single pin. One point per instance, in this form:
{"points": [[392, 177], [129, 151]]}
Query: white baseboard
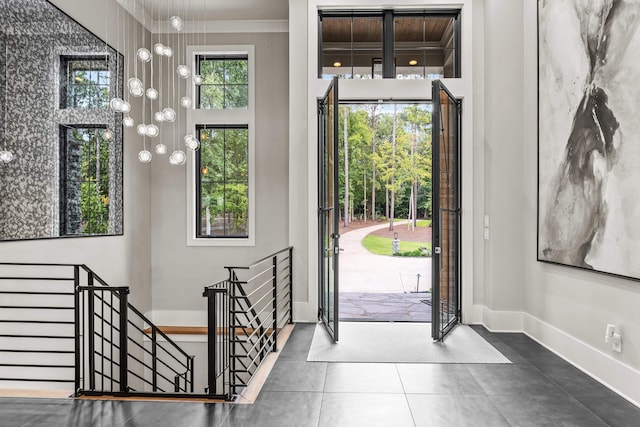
{"points": [[498, 321], [614, 374]]}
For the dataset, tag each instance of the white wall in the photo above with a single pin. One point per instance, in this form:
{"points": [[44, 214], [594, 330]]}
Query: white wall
{"points": [[577, 303], [181, 272], [502, 144], [565, 309], [120, 260]]}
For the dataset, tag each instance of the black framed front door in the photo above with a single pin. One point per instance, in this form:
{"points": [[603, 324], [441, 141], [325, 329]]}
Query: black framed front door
{"points": [[328, 205], [446, 211]]}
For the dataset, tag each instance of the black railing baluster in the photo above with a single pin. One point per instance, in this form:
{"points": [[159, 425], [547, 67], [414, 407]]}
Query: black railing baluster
{"points": [[291, 284], [190, 370], [91, 327], [154, 358], [274, 332], [76, 327], [123, 335]]}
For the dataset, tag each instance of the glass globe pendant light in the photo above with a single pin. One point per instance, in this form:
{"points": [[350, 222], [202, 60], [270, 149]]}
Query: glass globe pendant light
{"points": [[152, 93], [107, 134], [143, 54], [142, 129], [191, 142], [158, 116], [159, 48], [168, 52], [197, 79], [152, 131], [183, 71], [186, 102], [176, 23], [128, 122], [177, 158], [144, 156], [161, 148], [169, 114]]}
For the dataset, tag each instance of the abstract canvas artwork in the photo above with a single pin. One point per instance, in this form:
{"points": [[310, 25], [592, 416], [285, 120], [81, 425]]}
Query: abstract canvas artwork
{"points": [[589, 134]]}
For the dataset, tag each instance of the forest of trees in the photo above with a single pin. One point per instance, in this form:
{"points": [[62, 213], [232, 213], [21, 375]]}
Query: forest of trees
{"points": [[387, 172]]}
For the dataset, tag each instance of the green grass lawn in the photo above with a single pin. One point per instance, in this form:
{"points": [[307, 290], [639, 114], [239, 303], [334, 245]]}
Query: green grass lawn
{"points": [[382, 245], [423, 223]]}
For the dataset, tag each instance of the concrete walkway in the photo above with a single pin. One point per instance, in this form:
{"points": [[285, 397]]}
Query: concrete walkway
{"points": [[362, 271]]}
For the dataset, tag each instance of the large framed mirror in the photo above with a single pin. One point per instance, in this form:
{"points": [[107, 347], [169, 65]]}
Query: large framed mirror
{"points": [[56, 81]]}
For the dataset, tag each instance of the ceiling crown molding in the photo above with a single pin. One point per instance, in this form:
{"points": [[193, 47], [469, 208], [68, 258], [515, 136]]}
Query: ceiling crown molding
{"points": [[224, 26]]}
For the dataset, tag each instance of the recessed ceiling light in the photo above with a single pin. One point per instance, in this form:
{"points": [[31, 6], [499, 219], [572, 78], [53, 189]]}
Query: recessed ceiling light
{"points": [[413, 62], [337, 64]]}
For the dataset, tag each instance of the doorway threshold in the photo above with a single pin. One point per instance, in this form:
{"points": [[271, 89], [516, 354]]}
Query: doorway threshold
{"points": [[385, 307]]}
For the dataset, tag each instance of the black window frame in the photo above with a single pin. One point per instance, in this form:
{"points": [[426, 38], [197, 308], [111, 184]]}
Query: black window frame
{"points": [[65, 78], [198, 182], [388, 35], [63, 188], [219, 57]]}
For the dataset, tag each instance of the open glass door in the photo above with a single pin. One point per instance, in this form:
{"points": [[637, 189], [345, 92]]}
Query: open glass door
{"points": [[446, 211], [328, 205]]}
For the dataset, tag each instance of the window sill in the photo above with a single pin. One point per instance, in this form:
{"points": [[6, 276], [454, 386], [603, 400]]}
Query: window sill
{"points": [[222, 242]]}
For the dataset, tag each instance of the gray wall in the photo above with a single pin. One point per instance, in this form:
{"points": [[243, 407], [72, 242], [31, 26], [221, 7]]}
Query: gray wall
{"points": [[121, 260], [180, 272], [565, 308]]}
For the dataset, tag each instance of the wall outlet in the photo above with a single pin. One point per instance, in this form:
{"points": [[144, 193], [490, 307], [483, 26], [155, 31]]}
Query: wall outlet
{"points": [[616, 343], [609, 332]]}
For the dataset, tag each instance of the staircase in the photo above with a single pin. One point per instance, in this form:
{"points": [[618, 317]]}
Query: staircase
{"points": [[63, 328]]}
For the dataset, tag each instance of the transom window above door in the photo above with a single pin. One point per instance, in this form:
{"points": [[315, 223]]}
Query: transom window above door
{"points": [[389, 44]]}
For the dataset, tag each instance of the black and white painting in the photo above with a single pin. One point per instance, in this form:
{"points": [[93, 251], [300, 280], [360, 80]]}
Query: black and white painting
{"points": [[589, 134]]}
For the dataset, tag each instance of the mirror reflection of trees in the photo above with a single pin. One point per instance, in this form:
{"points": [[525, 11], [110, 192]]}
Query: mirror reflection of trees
{"points": [[389, 161], [86, 183]]}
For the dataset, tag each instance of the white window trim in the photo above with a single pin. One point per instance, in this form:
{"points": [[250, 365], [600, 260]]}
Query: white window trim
{"points": [[222, 117]]}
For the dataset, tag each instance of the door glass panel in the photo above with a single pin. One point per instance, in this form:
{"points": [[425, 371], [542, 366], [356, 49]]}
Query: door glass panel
{"points": [[327, 215], [446, 211]]}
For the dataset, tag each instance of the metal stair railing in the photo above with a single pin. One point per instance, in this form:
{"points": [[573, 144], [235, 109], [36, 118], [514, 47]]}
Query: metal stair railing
{"points": [[115, 349], [245, 313]]}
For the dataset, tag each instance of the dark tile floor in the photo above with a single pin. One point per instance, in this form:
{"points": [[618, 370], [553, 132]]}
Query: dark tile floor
{"points": [[538, 389]]}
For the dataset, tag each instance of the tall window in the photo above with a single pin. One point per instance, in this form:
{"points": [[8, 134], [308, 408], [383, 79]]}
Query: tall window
{"points": [[85, 82], [222, 168], [85, 177], [389, 44], [225, 82]]}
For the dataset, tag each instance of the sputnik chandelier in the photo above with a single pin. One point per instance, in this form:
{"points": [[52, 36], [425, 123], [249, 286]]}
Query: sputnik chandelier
{"points": [[160, 56]]}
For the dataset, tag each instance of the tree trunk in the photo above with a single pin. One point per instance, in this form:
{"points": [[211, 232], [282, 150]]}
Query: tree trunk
{"points": [[345, 113], [393, 167], [364, 193], [374, 123], [386, 200]]}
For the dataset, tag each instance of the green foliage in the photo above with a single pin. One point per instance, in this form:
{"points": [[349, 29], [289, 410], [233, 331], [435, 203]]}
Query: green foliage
{"points": [[225, 83], [93, 177], [383, 246], [95, 210], [225, 180], [87, 84]]}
